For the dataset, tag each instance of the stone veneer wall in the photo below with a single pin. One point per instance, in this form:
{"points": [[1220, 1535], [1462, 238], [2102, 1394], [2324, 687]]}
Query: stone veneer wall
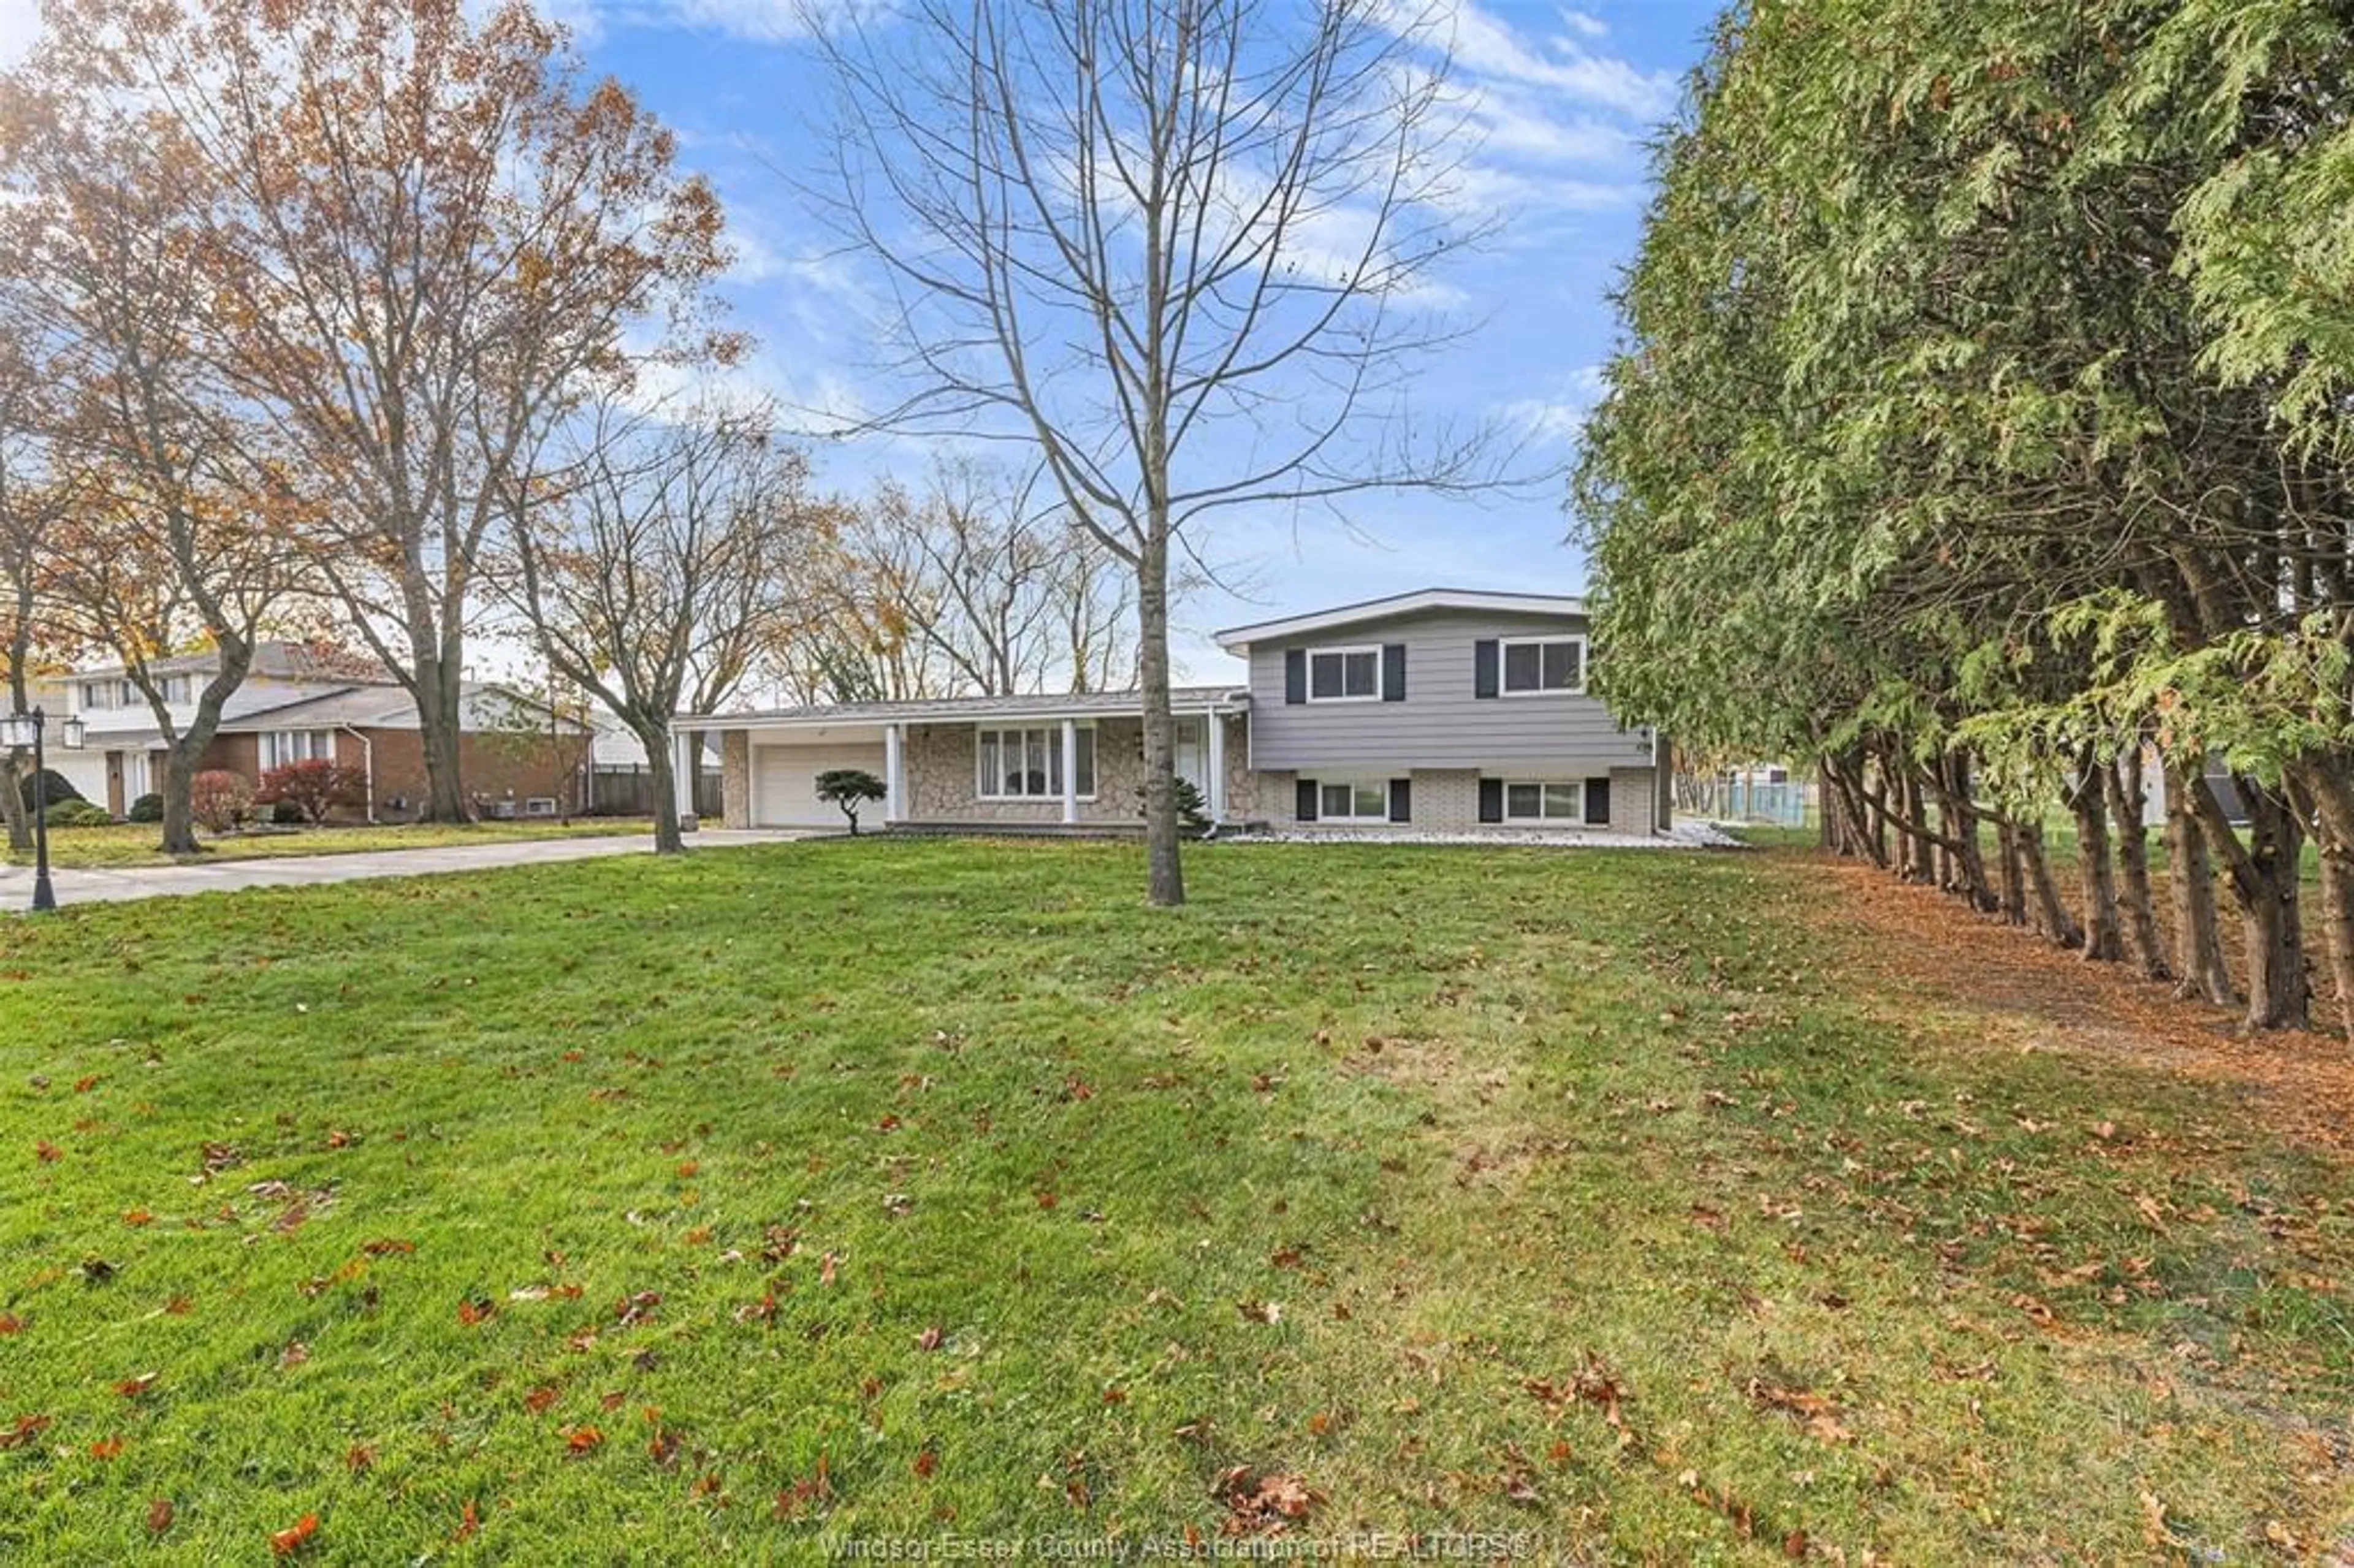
{"points": [[1634, 800], [736, 779]]}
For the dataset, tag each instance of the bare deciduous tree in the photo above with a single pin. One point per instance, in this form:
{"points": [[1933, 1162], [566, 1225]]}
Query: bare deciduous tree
{"points": [[174, 525], [1172, 245], [992, 597], [427, 233], [658, 564]]}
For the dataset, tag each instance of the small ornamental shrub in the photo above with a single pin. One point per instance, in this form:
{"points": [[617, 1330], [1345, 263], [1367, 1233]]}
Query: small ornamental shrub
{"points": [[219, 800], [314, 788], [146, 809], [850, 789], [1192, 810], [77, 815]]}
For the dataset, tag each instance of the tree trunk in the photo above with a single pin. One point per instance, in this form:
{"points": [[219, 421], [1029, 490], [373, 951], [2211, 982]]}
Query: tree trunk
{"points": [[2280, 993], [1920, 850], [179, 816], [2051, 917], [2096, 874], [440, 710], [1164, 877], [661, 765], [2199, 970], [2014, 879], [11, 799], [2325, 791], [1952, 780], [2121, 783]]}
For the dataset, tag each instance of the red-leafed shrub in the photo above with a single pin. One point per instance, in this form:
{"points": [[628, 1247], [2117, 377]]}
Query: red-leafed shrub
{"points": [[315, 787], [219, 800]]}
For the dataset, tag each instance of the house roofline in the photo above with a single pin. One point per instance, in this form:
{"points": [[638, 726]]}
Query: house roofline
{"points": [[1187, 700], [1237, 639]]}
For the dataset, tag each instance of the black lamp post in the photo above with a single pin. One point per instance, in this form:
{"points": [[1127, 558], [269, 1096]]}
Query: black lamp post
{"points": [[27, 729]]}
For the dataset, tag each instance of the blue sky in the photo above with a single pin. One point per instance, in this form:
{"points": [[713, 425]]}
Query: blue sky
{"points": [[1562, 95]]}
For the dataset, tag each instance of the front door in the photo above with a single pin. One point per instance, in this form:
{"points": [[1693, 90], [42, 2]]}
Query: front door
{"points": [[114, 803], [1192, 761]]}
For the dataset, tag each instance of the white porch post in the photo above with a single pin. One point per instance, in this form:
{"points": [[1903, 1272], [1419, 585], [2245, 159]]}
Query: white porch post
{"points": [[683, 771], [1216, 794], [1070, 770], [894, 795]]}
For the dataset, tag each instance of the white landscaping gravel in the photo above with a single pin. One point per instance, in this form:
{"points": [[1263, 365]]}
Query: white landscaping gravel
{"points": [[1685, 835]]}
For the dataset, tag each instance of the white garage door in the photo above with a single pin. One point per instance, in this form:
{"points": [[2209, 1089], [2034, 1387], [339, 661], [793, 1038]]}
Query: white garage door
{"points": [[784, 783]]}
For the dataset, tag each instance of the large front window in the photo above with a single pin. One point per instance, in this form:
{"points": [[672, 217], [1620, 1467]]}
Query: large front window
{"points": [[1344, 674], [1353, 802], [281, 746], [1554, 665], [1026, 764]]}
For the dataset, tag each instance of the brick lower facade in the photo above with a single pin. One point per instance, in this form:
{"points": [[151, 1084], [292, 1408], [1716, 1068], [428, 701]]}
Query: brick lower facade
{"points": [[497, 769]]}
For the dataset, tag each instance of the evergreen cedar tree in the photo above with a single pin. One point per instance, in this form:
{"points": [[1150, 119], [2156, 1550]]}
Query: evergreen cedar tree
{"points": [[1981, 433]]}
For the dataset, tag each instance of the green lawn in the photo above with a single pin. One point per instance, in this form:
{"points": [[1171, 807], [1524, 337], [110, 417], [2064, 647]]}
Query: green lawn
{"points": [[135, 843], [650, 1212]]}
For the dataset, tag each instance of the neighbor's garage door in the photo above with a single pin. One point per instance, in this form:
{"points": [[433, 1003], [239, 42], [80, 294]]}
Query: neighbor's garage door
{"points": [[784, 783]]}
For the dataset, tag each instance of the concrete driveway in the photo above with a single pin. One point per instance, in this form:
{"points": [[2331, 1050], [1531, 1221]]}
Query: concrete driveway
{"points": [[74, 886]]}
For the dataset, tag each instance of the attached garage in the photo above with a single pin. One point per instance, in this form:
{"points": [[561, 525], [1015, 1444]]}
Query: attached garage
{"points": [[784, 779]]}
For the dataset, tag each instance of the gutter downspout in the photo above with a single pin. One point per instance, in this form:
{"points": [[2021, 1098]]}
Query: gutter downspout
{"points": [[367, 767]]}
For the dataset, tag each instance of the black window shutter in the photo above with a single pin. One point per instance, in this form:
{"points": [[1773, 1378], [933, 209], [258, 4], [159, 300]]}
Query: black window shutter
{"points": [[1597, 801], [1304, 803], [1401, 800], [1394, 671], [1491, 796], [1295, 675], [1487, 681]]}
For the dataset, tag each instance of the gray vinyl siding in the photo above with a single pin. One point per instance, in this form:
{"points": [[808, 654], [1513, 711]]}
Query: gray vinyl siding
{"points": [[1440, 723]]}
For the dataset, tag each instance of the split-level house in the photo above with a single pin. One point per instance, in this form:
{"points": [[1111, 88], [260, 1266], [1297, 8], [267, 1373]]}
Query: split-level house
{"points": [[299, 703], [1446, 710]]}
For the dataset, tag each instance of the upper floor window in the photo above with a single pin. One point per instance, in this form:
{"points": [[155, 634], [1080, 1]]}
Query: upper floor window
{"points": [[1539, 666], [1344, 674]]}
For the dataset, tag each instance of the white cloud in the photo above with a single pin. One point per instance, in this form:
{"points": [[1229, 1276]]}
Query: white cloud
{"points": [[1584, 23], [1558, 416], [755, 21]]}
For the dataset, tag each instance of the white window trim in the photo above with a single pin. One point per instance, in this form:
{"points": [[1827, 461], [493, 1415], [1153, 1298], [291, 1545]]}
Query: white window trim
{"points": [[1343, 652], [1379, 786], [273, 744], [1583, 819], [980, 791], [1503, 663]]}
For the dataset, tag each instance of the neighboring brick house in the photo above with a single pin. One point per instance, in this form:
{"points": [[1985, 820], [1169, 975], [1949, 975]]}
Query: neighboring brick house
{"points": [[1446, 710], [299, 702]]}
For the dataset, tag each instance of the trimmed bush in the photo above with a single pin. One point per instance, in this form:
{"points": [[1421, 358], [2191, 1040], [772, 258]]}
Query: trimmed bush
{"points": [[219, 800], [312, 788], [78, 815], [59, 789], [146, 809], [850, 789]]}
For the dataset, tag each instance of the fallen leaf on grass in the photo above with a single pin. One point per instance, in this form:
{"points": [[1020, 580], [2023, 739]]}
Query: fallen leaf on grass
{"points": [[26, 1429], [386, 1246], [637, 1308], [359, 1457], [106, 1448], [804, 1493], [288, 1540], [11, 1324], [1260, 1311], [138, 1217], [159, 1515], [582, 1440], [928, 1463], [47, 1152], [133, 1387], [1263, 1504], [468, 1522], [477, 1311], [540, 1398], [930, 1340]]}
